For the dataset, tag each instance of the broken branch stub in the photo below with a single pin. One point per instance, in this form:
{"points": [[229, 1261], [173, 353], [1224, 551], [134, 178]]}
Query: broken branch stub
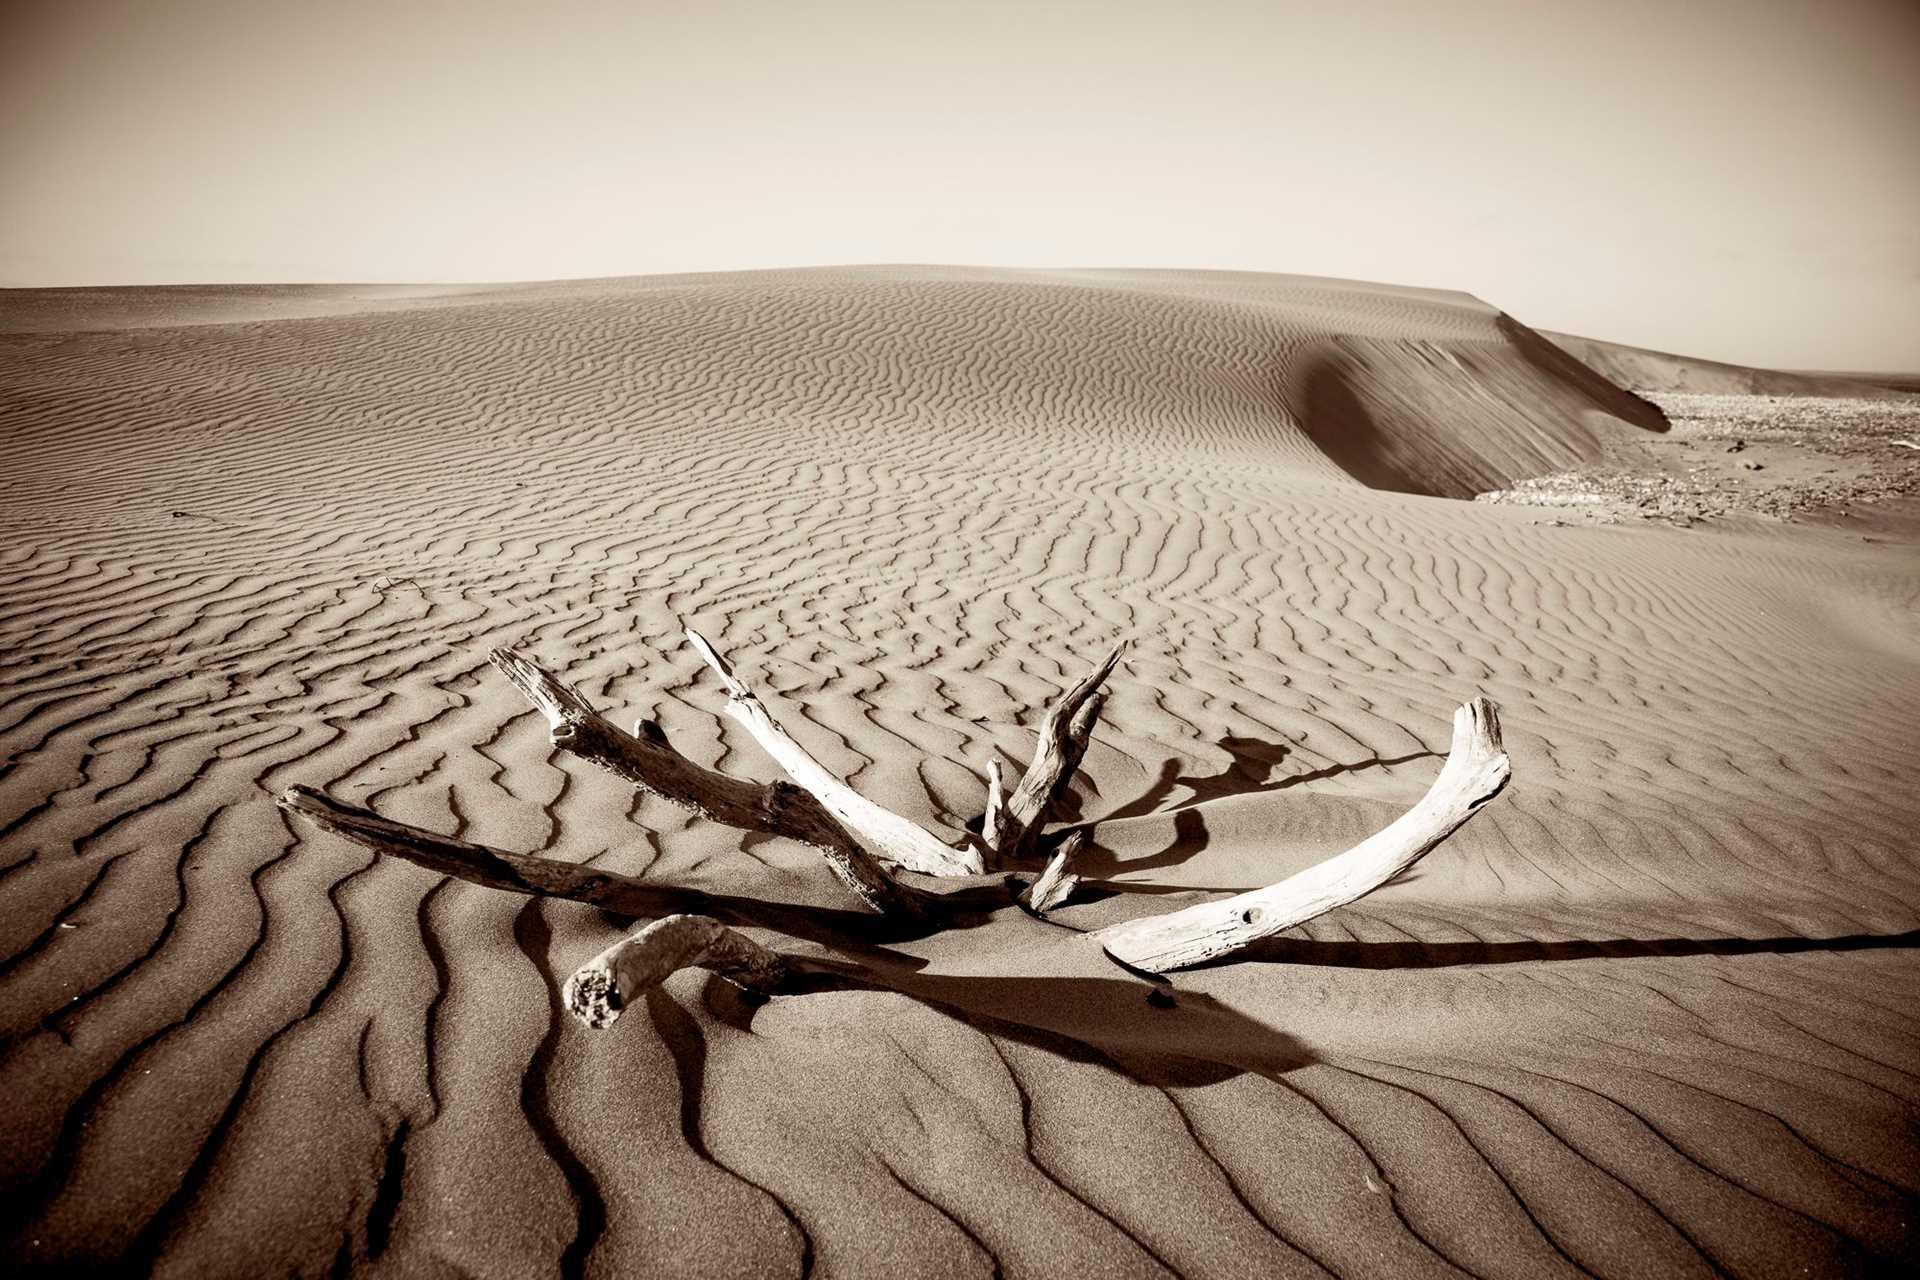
{"points": [[606, 984], [649, 762], [1063, 743], [890, 836], [1057, 883], [1476, 769], [1079, 734], [996, 805]]}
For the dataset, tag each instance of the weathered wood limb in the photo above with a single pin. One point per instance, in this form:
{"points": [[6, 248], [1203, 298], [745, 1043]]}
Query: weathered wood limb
{"points": [[480, 864], [1063, 743], [890, 836], [649, 762], [1476, 770], [1057, 883], [996, 807], [548, 877], [1079, 734], [646, 760], [606, 984]]}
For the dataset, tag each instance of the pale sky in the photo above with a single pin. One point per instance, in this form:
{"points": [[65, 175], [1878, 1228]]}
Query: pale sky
{"points": [[1738, 179]]}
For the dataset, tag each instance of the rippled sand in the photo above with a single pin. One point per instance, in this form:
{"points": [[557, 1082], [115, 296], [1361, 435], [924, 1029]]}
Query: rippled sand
{"points": [[1648, 1014]]}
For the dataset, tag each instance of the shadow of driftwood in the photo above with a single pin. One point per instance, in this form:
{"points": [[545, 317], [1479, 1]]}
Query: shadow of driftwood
{"points": [[1440, 955], [1061, 1015], [1001, 1006], [1249, 772], [1247, 775], [1317, 775]]}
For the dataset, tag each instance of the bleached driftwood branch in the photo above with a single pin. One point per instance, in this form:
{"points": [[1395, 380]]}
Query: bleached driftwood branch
{"points": [[649, 762], [606, 984], [1016, 819], [1475, 771], [894, 838]]}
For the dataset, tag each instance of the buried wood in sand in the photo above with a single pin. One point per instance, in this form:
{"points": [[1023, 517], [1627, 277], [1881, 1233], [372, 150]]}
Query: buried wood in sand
{"points": [[866, 845]]}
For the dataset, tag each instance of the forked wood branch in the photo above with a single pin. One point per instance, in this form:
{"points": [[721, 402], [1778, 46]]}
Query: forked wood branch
{"points": [[859, 838], [650, 763], [1475, 771], [1063, 744]]}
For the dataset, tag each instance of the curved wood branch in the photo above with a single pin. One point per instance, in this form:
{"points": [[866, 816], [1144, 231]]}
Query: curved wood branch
{"points": [[887, 834], [649, 762], [606, 984], [1476, 770], [1063, 743]]}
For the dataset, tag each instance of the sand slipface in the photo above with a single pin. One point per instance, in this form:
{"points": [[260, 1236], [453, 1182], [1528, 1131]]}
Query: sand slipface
{"points": [[1645, 1015]]}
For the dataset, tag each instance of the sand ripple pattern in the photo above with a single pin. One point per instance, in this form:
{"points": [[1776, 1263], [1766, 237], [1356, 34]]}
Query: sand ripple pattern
{"points": [[1649, 1016]]}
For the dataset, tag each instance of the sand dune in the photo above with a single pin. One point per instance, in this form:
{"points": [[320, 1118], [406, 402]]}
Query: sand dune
{"points": [[1647, 1015]]}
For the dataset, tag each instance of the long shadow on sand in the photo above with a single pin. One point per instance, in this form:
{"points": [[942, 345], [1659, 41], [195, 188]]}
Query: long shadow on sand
{"points": [[1441, 955], [1052, 1011], [1248, 774]]}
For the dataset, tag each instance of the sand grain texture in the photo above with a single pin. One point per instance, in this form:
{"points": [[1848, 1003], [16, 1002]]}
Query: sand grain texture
{"points": [[1647, 1015]]}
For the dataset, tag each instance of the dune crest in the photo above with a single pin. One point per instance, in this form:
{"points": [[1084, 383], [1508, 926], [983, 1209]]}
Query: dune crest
{"points": [[1643, 369], [1335, 376]]}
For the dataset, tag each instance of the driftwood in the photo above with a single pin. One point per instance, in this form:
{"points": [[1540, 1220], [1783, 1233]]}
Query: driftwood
{"points": [[606, 984], [1057, 883], [996, 804], [1063, 742], [649, 762], [620, 895], [892, 837], [1475, 771], [870, 849]]}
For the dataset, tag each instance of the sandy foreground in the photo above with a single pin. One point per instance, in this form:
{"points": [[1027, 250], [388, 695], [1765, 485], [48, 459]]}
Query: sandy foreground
{"points": [[1649, 1014]]}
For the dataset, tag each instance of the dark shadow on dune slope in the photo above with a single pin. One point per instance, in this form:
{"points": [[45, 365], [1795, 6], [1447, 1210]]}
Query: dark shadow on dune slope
{"points": [[1441, 955], [1348, 431], [1452, 419], [1251, 772], [1562, 366], [1190, 836]]}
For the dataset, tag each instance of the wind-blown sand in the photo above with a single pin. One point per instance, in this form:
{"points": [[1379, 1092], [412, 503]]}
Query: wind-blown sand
{"points": [[1650, 1014]]}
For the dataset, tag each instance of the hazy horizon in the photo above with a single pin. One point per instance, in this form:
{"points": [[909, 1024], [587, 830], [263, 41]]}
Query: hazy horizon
{"points": [[1726, 180]]}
